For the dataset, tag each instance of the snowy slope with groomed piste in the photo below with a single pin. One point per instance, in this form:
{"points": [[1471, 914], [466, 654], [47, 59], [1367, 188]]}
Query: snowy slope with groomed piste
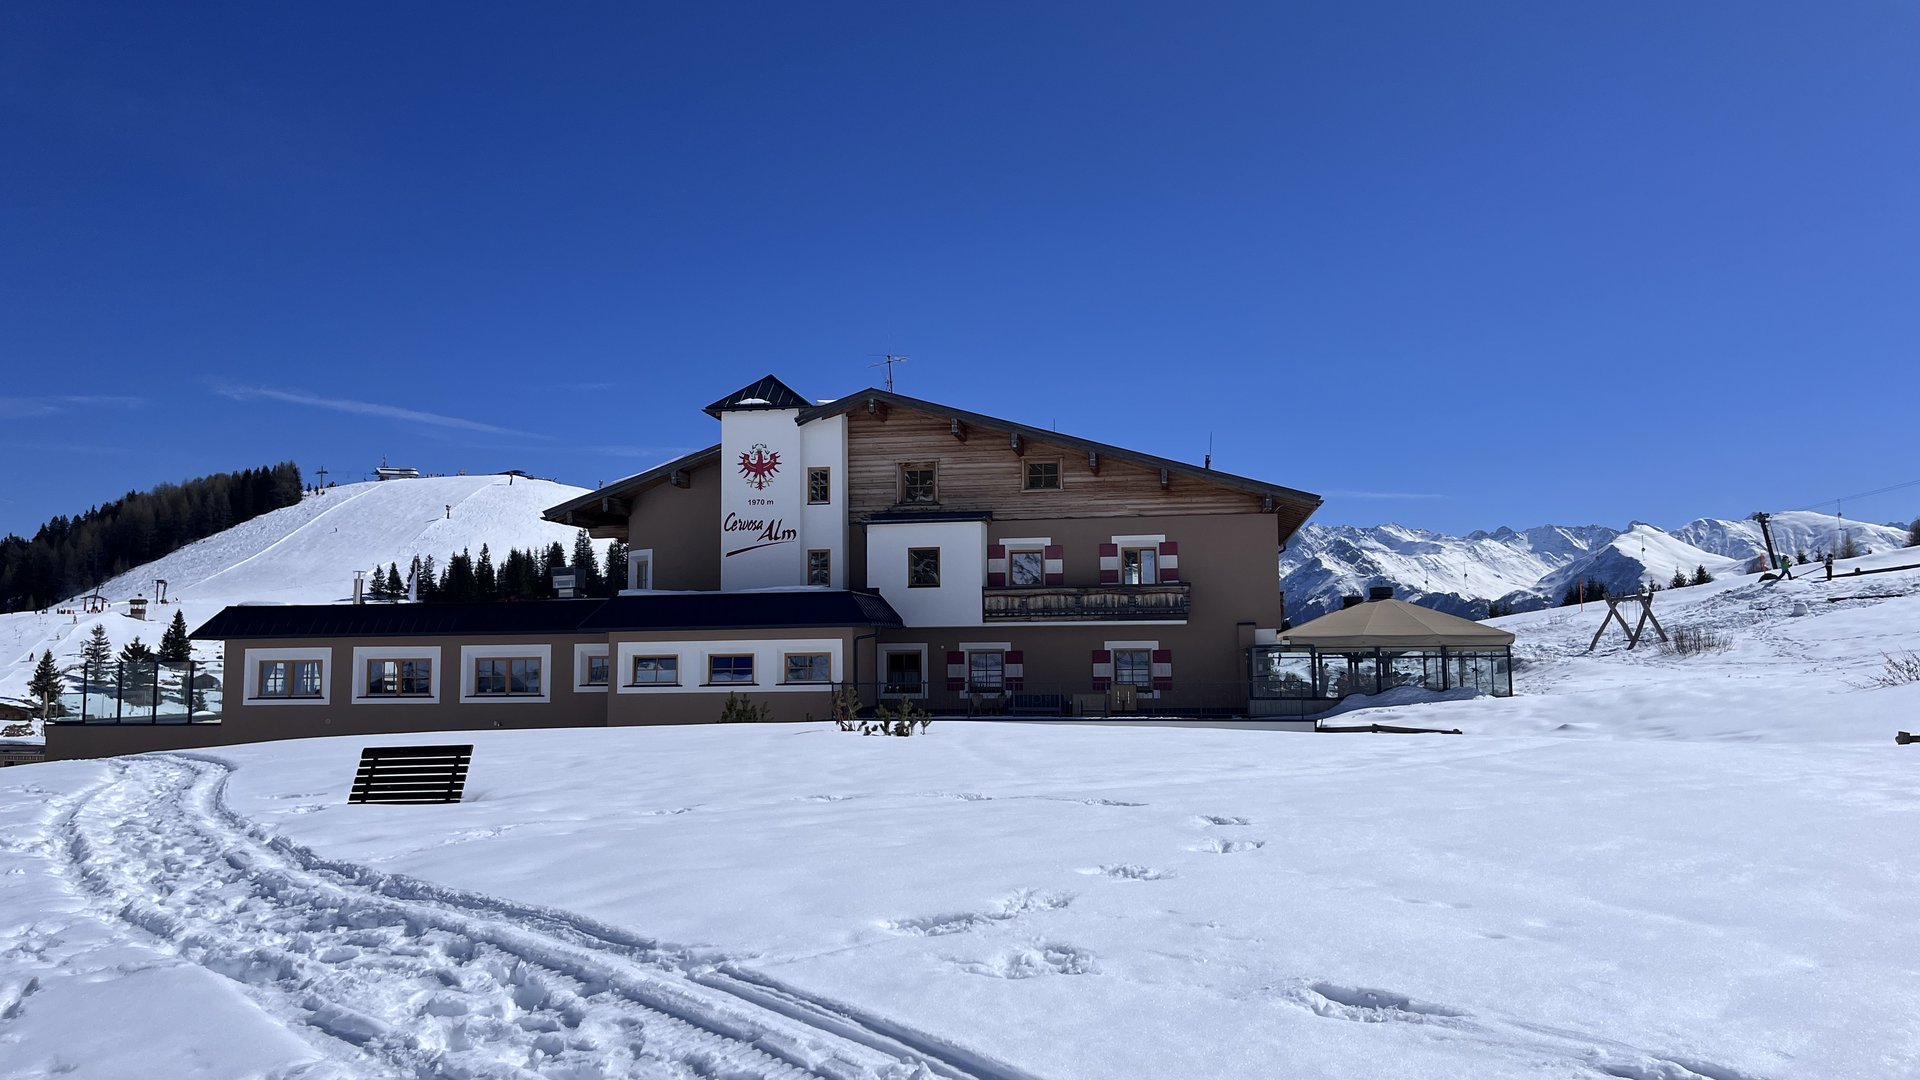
{"points": [[306, 553], [1649, 864]]}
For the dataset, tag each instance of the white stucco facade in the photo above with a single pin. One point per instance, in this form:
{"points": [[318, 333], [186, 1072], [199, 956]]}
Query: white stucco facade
{"points": [[963, 570], [766, 524]]}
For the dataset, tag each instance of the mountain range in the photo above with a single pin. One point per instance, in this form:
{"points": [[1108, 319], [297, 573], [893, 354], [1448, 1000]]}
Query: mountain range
{"points": [[1534, 568]]}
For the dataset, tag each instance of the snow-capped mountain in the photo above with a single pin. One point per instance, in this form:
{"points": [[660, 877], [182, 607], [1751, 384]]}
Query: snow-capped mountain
{"points": [[1534, 568]]}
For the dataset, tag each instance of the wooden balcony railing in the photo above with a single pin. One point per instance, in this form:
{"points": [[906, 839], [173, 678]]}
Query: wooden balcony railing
{"points": [[1089, 603]]}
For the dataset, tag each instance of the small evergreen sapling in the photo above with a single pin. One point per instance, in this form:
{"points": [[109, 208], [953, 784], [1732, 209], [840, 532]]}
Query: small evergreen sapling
{"points": [[1700, 575], [96, 654], [739, 710], [1679, 580]]}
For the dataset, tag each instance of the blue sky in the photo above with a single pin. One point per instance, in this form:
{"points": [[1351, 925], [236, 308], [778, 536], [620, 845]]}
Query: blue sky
{"points": [[1457, 266]]}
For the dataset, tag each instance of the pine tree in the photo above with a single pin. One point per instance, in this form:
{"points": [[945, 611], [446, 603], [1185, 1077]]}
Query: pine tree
{"points": [[1700, 576], [486, 583], [1679, 580], [45, 686], [617, 567], [458, 587], [136, 673], [174, 646], [1848, 549], [586, 566], [396, 585], [96, 654]]}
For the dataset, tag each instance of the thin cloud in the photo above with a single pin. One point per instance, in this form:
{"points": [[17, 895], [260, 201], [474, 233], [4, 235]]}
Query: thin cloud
{"points": [[367, 408], [1384, 495], [22, 408]]}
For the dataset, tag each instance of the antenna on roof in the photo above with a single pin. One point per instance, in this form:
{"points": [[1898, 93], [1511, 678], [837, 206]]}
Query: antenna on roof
{"points": [[1209, 461], [890, 359]]}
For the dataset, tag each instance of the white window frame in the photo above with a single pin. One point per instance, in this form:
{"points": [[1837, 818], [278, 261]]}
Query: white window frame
{"points": [[582, 652], [1140, 540], [925, 676], [636, 560], [251, 676], [692, 656], [1147, 692], [363, 653], [526, 650]]}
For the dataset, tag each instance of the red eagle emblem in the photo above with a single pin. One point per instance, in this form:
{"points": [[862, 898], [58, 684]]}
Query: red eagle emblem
{"points": [[758, 466]]}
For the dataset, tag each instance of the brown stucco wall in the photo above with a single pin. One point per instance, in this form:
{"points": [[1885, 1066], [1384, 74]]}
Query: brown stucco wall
{"points": [[682, 526], [342, 716]]}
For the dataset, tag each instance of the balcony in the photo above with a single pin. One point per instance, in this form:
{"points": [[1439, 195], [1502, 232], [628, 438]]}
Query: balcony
{"points": [[1090, 603]]}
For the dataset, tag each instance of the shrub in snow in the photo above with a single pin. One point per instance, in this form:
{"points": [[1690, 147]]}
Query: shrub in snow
{"points": [[1679, 580], [1900, 670], [1848, 549], [1700, 576], [1694, 640], [896, 722], [739, 710]]}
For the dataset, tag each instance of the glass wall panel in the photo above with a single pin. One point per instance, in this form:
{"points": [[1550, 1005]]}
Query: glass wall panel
{"points": [[1283, 674]]}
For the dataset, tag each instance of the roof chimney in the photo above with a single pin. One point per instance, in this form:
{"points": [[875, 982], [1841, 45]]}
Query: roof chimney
{"points": [[1349, 600], [1380, 592]]}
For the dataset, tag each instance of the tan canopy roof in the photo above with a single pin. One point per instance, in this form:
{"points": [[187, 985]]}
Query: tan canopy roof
{"points": [[1395, 624]]}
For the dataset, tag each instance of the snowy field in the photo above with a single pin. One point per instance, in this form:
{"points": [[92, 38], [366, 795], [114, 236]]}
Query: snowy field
{"points": [[1646, 866]]}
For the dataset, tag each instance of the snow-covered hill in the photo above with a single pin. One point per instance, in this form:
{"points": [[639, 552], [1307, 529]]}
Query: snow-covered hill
{"points": [[1534, 568], [301, 554]]}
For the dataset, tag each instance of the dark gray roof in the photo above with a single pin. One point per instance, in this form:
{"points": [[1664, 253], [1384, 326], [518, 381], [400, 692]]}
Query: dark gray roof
{"points": [[743, 611], [768, 393], [523, 619], [606, 507], [552, 618]]}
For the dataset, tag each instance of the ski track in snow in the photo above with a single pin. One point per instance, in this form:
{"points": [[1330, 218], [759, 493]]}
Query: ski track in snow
{"points": [[393, 977]]}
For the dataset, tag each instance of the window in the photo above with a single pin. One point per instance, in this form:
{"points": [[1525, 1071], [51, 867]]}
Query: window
{"points": [[923, 568], [1043, 476], [903, 673], [597, 670], [1133, 667], [399, 678], [809, 668], [656, 671], [986, 670], [819, 485], [1027, 566], [290, 678], [820, 567], [506, 676], [640, 569], [1139, 566], [730, 669], [917, 483]]}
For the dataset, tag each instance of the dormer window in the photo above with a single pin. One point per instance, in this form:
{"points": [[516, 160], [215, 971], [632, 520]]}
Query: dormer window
{"points": [[1043, 476], [917, 483]]}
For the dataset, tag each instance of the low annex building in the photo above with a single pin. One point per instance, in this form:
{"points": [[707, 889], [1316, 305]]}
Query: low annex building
{"points": [[878, 543], [1376, 646]]}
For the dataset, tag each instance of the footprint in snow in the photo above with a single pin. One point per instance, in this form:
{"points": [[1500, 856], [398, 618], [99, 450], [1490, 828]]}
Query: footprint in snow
{"points": [[1222, 819], [1015, 904], [1366, 1006], [1217, 846], [1042, 959], [1127, 872]]}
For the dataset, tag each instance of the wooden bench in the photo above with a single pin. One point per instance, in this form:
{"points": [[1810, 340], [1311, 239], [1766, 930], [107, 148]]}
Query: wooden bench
{"points": [[411, 774]]}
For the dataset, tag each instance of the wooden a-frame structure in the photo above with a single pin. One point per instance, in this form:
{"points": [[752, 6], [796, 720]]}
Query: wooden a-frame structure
{"points": [[1645, 600]]}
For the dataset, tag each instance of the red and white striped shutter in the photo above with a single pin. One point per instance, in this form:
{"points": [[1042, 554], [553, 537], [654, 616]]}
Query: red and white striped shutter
{"points": [[1169, 562], [1056, 571], [1109, 564], [1162, 670], [996, 566], [956, 671], [1016, 670], [1102, 668]]}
